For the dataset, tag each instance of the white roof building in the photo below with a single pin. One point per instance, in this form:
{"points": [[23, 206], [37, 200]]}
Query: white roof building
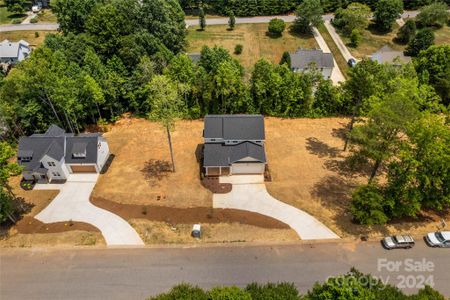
{"points": [[13, 52]]}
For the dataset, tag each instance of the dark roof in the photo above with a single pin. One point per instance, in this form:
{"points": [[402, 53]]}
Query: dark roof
{"points": [[235, 127], [195, 57], [56, 143], [81, 144], [225, 155], [303, 58], [388, 55]]}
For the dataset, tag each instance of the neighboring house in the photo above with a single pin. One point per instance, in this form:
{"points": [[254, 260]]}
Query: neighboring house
{"points": [[56, 154], [234, 144], [304, 60], [14, 52], [195, 57], [390, 56]]}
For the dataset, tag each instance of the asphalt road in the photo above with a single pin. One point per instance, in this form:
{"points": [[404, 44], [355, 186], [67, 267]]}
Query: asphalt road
{"points": [[138, 273]]}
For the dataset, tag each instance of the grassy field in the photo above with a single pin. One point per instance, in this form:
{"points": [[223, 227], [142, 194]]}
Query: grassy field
{"points": [[28, 36], [257, 43], [372, 41], [7, 17], [340, 60]]}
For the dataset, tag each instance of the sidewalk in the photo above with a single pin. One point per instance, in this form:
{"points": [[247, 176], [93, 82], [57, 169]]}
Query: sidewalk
{"points": [[338, 41]]}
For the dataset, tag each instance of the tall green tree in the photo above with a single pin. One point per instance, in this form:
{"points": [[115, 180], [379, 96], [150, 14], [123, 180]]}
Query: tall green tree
{"points": [[407, 32], [231, 20], [309, 13], [435, 14], [201, 19], [368, 205], [72, 14], [355, 16], [422, 41], [166, 106], [378, 139], [386, 13], [17, 6], [7, 169]]}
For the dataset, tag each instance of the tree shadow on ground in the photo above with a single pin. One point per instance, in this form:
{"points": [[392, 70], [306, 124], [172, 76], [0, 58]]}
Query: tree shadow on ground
{"points": [[20, 208], [321, 149], [155, 170]]}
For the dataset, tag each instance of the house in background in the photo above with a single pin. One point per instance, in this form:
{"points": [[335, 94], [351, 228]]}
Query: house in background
{"points": [[390, 56], [14, 52], [303, 60], [195, 57], [234, 144], [56, 154]]}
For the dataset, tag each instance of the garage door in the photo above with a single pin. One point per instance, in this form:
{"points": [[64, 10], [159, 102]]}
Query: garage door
{"points": [[248, 168], [83, 169]]}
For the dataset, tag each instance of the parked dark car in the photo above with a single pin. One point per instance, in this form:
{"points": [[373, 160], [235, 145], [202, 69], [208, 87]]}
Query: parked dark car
{"points": [[438, 239], [398, 241], [352, 62]]}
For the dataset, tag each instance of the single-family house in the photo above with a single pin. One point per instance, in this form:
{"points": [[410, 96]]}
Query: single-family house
{"points": [[195, 57], [14, 52], [303, 60], [390, 56], [55, 154], [234, 144]]}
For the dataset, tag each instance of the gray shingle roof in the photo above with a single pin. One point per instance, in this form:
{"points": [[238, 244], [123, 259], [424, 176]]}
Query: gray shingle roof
{"points": [[57, 144], [235, 127], [225, 155], [10, 49], [303, 58]]}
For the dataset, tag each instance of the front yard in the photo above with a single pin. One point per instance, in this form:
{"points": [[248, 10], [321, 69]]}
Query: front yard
{"points": [[27, 35], [257, 43]]}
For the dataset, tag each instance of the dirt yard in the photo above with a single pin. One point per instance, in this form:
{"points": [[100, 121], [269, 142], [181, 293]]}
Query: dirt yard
{"points": [[257, 43]]}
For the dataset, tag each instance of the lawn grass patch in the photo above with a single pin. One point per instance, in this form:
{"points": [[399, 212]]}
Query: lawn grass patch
{"points": [[47, 16], [27, 35], [340, 60], [7, 17], [254, 38]]}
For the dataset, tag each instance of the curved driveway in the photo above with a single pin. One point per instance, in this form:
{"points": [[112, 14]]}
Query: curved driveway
{"points": [[249, 193], [72, 203]]}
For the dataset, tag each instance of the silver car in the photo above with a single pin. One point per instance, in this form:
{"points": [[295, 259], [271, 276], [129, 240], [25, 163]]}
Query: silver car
{"points": [[398, 241], [438, 239]]}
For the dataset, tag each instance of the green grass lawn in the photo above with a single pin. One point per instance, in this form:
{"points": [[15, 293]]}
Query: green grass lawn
{"points": [[26, 35], [442, 36], [340, 60], [257, 43], [7, 17], [47, 16]]}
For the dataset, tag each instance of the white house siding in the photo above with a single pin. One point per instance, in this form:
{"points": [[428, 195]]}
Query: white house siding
{"points": [[53, 170], [102, 154]]}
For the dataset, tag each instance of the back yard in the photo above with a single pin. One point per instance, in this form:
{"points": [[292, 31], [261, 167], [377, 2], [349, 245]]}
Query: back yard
{"points": [[257, 43]]}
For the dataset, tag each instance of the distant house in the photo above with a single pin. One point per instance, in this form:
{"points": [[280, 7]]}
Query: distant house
{"points": [[390, 56], [56, 154], [234, 144], [14, 52], [304, 60]]}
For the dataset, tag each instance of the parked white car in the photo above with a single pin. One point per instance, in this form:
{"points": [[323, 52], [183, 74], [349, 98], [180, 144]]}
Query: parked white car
{"points": [[35, 8], [438, 239]]}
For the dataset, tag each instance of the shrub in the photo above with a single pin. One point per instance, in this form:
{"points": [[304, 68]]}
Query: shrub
{"points": [[355, 38], [16, 21], [274, 291], [367, 206], [36, 34], [423, 40], [407, 32], [286, 59], [34, 20], [238, 49], [435, 14], [182, 291], [228, 293], [276, 26]]}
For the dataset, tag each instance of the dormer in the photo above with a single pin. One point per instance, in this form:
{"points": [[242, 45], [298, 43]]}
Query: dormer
{"points": [[79, 150]]}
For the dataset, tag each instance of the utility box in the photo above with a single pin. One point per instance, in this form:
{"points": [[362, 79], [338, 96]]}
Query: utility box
{"points": [[196, 231]]}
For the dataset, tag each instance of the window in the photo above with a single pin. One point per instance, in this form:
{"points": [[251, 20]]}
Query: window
{"points": [[51, 164], [56, 174]]}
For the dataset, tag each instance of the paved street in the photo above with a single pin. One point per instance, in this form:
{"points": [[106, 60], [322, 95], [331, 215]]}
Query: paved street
{"points": [[138, 273]]}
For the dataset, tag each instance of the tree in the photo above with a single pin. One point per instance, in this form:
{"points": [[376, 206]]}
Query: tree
{"points": [[423, 40], [407, 32], [231, 20], [355, 16], [165, 105], [201, 19], [286, 59], [386, 13], [380, 136], [368, 205], [433, 66], [309, 13], [17, 6], [272, 291], [355, 38], [276, 27], [72, 14], [435, 14], [238, 49], [7, 169], [228, 293]]}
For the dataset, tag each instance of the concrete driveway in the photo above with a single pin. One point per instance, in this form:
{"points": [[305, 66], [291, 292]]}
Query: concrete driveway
{"points": [[72, 203], [249, 193]]}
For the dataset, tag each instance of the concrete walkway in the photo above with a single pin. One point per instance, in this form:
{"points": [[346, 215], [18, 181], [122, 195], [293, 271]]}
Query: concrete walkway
{"points": [[72, 203], [338, 41], [249, 193], [30, 16], [336, 75]]}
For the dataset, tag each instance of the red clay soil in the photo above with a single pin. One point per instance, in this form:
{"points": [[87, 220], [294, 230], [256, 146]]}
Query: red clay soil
{"points": [[32, 225], [212, 184], [192, 215]]}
